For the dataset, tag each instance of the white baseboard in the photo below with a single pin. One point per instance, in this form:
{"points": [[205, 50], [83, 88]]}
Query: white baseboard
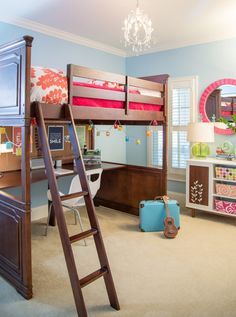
{"points": [[180, 197], [39, 212]]}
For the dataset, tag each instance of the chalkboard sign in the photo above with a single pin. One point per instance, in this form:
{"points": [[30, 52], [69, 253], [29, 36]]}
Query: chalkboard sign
{"points": [[56, 138]]}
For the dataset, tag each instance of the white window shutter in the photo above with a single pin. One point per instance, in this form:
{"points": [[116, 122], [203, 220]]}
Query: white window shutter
{"points": [[182, 100], [155, 146]]}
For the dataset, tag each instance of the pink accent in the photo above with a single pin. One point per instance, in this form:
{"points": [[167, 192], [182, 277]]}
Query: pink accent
{"points": [[103, 103], [205, 95], [225, 206], [226, 190]]}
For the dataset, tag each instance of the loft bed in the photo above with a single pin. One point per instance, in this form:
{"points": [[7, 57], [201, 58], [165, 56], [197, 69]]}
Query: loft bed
{"points": [[121, 188], [100, 96]]}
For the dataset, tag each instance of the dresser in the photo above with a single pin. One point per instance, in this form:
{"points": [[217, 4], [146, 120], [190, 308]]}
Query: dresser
{"points": [[211, 186]]}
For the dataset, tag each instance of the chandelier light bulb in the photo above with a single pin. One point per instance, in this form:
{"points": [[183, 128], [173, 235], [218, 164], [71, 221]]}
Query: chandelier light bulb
{"points": [[137, 30]]}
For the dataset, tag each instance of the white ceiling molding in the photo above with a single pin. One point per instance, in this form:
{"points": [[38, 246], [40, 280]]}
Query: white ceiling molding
{"points": [[182, 44], [48, 30]]}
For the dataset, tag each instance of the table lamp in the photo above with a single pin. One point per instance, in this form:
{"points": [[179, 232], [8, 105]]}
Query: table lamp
{"points": [[201, 132]]}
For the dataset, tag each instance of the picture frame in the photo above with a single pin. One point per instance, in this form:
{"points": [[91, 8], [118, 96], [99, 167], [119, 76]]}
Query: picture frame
{"points": [[56, 138]]}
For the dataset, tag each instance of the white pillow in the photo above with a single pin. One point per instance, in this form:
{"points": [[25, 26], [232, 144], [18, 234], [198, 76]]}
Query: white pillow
{"points": [[150, 93]]}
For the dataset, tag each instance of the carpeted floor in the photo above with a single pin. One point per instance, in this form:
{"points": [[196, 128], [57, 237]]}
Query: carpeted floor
{"points": [[190, 276]]}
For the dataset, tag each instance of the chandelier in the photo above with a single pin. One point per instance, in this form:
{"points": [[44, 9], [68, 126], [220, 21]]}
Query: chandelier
{"points": [[137, 30]]}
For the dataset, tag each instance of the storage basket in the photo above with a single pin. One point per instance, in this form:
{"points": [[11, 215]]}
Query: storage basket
{"points": [[226, 190], [227, 207], [228, 173]]}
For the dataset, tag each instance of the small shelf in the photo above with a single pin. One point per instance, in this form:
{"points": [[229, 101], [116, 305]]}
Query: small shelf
{"points": [[227, 197], [224, 180], [203, 181], [221, 213]]}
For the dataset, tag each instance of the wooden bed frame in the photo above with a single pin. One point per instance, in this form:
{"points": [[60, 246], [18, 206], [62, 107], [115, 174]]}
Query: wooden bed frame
{"points": [[121, 189]]}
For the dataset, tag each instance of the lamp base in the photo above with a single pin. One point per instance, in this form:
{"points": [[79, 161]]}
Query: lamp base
{"points": [[200, 150]]}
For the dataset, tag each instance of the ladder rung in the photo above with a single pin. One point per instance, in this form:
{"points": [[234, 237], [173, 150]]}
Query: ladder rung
{"points": [[93, 276], [55, 122], [74, 195], [83, 235]]}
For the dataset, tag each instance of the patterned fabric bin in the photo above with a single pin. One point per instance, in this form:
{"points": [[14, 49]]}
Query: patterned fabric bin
{"points": [[227, 207], [226, 190], [228, 173]]}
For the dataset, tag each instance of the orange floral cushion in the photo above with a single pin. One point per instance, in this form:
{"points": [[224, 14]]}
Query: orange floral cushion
{"points": [[48, 85]]}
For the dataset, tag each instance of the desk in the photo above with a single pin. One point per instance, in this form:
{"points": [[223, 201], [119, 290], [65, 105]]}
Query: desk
{"points": [[13, 178]]}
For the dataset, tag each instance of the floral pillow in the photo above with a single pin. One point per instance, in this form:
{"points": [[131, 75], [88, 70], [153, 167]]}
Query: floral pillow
{"points": [[48, 85]]}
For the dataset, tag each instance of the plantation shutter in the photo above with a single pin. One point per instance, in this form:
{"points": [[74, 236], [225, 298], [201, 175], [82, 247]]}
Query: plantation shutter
{"points": [[181, 105], [180, 120], [155, 146]]}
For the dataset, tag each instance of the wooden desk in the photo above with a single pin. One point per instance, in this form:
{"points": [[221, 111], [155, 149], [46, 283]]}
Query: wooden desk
{"points": [[13, 179]]}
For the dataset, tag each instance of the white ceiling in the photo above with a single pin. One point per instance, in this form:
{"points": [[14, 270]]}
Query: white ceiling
{"points": [[98, 23]]}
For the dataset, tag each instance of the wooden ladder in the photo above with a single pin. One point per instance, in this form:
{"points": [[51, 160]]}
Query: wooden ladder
{"points": [[66, 240]]}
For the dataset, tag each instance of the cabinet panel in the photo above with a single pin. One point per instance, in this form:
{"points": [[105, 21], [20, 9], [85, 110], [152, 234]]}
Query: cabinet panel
{"points": [[198, 185]]}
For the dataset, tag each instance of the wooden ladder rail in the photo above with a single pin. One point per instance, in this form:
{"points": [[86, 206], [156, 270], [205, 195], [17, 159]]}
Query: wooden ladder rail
{"points": [[95, 231]]}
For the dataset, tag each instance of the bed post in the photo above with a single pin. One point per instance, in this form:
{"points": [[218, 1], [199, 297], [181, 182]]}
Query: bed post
{"points": [[126, 95], [165, 138], [70, 82], [25, 169]]}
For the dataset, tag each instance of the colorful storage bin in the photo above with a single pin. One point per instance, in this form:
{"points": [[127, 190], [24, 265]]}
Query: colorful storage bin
{"points": [[228, 173], [227, 207], [226, 190]]}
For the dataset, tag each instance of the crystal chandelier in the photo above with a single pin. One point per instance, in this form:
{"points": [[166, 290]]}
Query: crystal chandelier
{"points": [[137, 30]]}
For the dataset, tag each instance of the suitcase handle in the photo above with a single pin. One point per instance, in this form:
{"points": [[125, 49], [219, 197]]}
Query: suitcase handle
{"points": [[160, 198]]}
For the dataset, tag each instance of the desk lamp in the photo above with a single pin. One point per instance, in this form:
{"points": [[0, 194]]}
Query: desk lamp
{"points": [[201, 132]]}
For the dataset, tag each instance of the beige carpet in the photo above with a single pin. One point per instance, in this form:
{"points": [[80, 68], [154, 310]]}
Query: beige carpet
{"points": [[191, 276]]}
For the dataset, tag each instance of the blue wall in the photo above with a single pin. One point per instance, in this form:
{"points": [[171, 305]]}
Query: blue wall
{"points": [[52, 52], [209, 61], [136, 154], [113, 147]]}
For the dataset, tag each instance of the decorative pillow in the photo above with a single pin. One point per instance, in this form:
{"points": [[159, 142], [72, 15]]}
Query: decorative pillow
{"points": [[109, 84], [106, 84], [48, 85]]}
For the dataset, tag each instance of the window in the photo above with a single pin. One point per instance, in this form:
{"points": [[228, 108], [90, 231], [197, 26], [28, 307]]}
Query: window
{"points": [[182, 104], [155, 146]]}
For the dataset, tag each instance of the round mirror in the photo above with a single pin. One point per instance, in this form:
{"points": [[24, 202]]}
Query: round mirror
{"points": [[219, 101]]}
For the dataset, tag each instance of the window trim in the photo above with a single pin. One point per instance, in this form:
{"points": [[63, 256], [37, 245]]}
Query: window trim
{"points": [[178, 82]]}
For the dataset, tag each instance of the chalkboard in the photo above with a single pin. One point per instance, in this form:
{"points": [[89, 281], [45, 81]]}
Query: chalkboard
{"points": [[56, 138]]}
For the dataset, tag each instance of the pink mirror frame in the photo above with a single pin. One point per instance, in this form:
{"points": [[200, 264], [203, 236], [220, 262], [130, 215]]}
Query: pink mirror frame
{"points": [[205, 95]]}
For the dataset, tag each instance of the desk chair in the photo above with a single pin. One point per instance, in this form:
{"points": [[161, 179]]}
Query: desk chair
{"points": [[94, 180]]}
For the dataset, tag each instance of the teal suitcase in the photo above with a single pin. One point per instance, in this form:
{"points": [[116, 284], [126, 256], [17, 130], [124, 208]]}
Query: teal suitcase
{"points": [[152, 214]]}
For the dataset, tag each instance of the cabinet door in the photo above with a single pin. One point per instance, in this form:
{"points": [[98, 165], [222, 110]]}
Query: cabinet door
{"points": [[199, 185]]}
